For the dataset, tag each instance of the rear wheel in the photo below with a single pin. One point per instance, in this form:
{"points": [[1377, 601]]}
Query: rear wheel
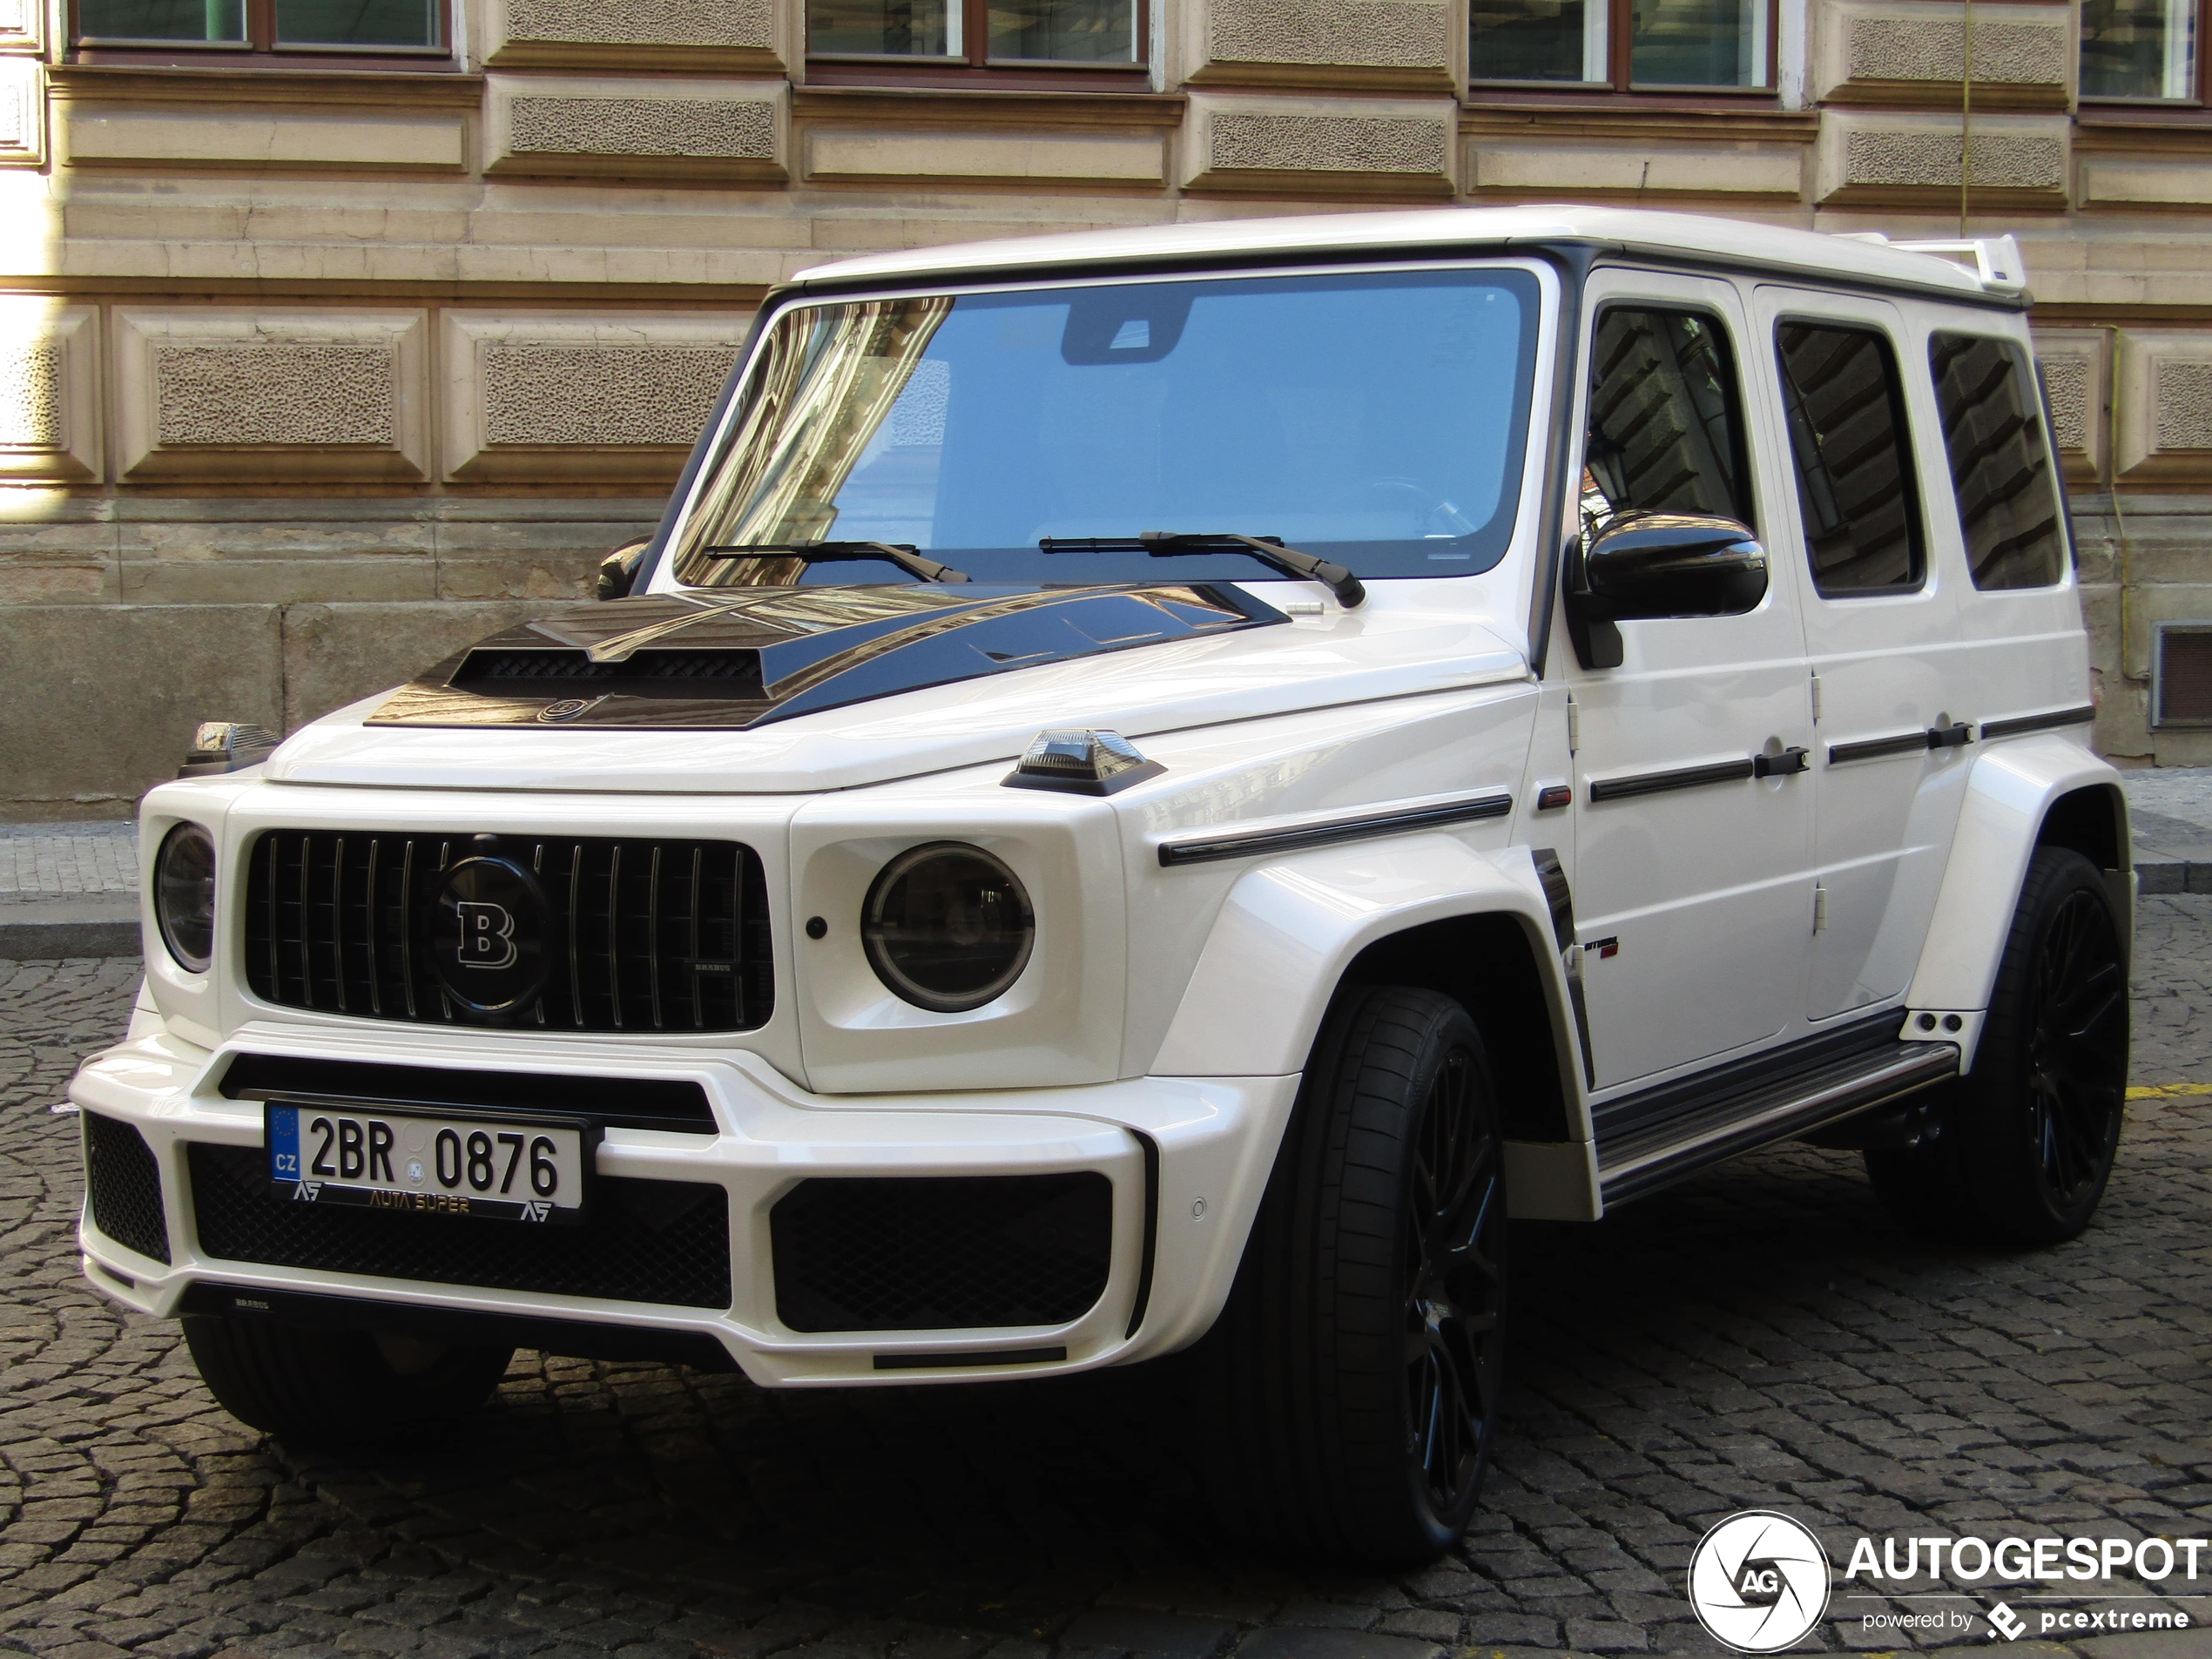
{"points": [[2033, 1130], [1352, 1385], [311, 1387]]}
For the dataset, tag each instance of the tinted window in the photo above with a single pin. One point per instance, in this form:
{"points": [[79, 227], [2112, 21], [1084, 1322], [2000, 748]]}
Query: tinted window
{"points": [[1846, 407], [1665, 420], [2000, 461]]}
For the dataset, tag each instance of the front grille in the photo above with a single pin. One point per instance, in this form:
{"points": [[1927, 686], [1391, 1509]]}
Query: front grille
{"points": [[645, 935], [666, 1242], [124, 1185], [900, 1253]]}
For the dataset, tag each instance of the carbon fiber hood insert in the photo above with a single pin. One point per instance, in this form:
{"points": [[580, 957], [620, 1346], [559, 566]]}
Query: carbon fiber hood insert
{"points": [[675, 662]]}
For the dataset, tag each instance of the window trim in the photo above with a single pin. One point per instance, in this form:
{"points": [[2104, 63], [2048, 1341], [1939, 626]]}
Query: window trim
{"points": [[1620, 18], [975, 67], [2195, 101], [1901, 411], [260, 47]]}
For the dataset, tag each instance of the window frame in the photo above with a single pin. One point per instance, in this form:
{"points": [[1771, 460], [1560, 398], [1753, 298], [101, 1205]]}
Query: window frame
{"points": [[1901, 411], [975, 67], [1620, 18], [2194, 104], [260, 47]]}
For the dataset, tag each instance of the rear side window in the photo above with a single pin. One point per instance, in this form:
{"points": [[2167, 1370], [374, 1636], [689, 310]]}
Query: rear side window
{"points": [[2000, 461], [1665, 419], [1853, 451]]}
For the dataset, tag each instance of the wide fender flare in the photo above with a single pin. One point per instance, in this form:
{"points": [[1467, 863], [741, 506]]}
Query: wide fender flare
{"points": [[1288, 930], [2008, 794]]}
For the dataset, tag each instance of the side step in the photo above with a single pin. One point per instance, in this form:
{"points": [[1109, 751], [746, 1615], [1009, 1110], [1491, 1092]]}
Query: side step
{"points": [[1661, 1138]]}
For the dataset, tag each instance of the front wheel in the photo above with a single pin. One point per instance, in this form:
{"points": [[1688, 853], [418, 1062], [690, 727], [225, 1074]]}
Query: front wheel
{"points": [[310, 1386], [1351, 1388]]}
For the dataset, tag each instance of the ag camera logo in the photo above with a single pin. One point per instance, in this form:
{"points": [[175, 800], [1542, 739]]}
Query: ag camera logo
{"points": [[1758, 1582]]}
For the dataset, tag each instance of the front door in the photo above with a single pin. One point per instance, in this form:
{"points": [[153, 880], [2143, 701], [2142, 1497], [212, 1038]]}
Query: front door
{"points": [[1693, 892]]}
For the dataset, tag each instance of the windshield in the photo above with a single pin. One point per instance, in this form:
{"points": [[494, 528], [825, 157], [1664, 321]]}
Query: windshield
{"points": [[1375, 418]]}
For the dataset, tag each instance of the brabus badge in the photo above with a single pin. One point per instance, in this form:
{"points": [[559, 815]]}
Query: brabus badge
{"points": [[567, 709]]}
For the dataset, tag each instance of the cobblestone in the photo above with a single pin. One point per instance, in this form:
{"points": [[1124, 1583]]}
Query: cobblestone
{"points": [[1761, 1337]]}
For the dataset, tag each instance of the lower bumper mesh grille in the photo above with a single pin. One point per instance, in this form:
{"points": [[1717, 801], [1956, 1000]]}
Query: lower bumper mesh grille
{"points": [[901, 1253], [666, 1242], [123, 1183]]}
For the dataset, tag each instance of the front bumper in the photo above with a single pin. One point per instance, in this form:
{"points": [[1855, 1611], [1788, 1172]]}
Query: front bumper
{"points": [[1187, 1159]]}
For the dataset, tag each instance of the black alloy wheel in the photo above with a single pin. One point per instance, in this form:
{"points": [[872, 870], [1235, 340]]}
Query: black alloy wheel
{"points": [[2023, 1151], [1454, 1266], [1348, 1397]]}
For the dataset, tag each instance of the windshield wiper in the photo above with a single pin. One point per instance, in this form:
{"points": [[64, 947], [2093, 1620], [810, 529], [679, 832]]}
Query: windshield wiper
{"points": [[1169, 544], [900, 554]]}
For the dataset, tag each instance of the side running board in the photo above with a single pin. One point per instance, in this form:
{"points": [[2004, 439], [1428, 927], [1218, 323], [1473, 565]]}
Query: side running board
{"points": [[1649, 1141]]}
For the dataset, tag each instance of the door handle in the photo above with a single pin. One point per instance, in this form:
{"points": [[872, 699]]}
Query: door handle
{"points": [[1950, 737], [1787, 763]]}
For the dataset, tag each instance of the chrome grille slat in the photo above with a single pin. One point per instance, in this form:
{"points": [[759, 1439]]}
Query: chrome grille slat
{"points": [[339, 922]]}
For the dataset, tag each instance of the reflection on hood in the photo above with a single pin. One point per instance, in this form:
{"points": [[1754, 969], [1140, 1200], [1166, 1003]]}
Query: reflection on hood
{"points": [[675, 661]]}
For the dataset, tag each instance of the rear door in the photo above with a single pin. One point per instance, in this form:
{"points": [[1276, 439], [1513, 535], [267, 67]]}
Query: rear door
{"points": [[1858, 534], [1693, 892]]}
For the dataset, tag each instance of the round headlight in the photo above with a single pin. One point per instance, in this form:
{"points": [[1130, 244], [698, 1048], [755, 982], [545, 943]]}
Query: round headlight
{"points": [[947, 927], [184, 895]]}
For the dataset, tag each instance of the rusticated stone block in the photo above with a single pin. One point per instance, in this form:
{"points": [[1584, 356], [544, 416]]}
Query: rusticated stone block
{"points": [[566, 394], [1909, 159], [23, 112], [49, 416], [19, 21], [1879, 51], [737, 131], [270, 393], [1378, 42], [659, 34], [2162, 422], [2075, 365], [1322, 145]]}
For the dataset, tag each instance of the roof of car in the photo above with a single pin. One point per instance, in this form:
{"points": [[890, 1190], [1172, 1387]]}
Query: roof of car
{"points": [[1694, 236]]}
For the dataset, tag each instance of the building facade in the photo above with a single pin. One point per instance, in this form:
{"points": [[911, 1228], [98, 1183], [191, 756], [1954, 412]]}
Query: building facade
{"points": [[336, 334]]}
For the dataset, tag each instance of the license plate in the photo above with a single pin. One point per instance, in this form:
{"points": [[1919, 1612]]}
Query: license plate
{"points": [[368, 1157]]}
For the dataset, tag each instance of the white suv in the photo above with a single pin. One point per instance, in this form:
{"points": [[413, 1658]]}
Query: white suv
{"points": [[1157, 786]]}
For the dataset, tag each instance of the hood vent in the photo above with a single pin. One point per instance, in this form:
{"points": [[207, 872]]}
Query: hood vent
{"points": [[721, 674]]}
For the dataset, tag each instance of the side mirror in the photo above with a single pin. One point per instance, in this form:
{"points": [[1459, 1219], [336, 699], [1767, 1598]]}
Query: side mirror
{"points": [[618, 570], [1644, 565]]}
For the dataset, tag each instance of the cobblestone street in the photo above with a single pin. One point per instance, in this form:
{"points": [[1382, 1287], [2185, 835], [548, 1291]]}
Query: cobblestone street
{"points": [[1761, 1337]]}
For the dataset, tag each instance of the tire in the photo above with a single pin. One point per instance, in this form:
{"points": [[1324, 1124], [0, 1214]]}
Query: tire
{"points": [[310, 1386], [2033, 1130], [1349, 1393]]}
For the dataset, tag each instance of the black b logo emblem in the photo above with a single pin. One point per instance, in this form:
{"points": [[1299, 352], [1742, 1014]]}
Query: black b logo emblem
{"points": [[488, 931]]}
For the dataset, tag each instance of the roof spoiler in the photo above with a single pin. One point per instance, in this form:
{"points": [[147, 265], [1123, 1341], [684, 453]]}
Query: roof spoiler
{"points": [[1995, 260]]}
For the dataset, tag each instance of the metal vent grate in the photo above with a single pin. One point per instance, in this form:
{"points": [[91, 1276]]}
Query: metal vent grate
{"points": [[646, 935], [123, 1183], [899, 1253], [2182, 674], [665, 1242]]}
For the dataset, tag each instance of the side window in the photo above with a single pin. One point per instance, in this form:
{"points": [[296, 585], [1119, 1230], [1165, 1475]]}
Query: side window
{"points": [[1853, 450], [1665, 419], [2000, 461]]}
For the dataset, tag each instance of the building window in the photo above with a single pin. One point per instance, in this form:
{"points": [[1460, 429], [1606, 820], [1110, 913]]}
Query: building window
{"points": [[2138, 49], [970, 36], [1656, 45], [412, 27]]}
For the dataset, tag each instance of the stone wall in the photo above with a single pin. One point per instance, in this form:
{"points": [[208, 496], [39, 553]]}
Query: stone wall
{"points": [[307, 376]]}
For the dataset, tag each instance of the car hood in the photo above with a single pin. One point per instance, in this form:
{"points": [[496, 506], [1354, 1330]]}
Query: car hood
{"points": [[796, 689]]}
